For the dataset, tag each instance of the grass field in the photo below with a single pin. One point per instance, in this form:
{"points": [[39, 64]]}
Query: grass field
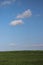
{"points": [[21, 58]]}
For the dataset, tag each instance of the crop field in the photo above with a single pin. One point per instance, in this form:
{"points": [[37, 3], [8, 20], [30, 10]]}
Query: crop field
{"points": [[21, 58]]}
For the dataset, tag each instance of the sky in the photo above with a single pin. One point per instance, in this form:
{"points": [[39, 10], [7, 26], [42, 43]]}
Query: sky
{"points": [[21, 25]]}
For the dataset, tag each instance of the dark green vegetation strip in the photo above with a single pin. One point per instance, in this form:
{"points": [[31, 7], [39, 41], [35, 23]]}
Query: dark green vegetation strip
{"points": [[21, 58]]}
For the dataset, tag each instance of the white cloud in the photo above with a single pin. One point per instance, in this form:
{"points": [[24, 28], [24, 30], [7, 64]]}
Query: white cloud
{"points": [[12, 44], [6, 2], [16, 22], [33, 45], [25, 14], [38, 45]]}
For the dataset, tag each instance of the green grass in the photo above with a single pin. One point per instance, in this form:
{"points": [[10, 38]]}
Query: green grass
{"points": [[21, 58]]}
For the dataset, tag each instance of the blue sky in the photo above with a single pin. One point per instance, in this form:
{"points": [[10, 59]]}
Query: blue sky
{"points": [[21, 25]]}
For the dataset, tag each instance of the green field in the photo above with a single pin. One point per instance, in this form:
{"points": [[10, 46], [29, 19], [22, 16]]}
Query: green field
{"points": [[21, 58]]}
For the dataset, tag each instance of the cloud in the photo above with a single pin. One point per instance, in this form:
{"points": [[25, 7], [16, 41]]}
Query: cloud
{"points": [[33, 45], [38, 45], [16, 22], [7, 2], [25, 14], [12, 44]]}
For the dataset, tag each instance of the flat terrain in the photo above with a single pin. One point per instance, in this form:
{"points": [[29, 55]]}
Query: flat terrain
{"points": [[21, 58]]}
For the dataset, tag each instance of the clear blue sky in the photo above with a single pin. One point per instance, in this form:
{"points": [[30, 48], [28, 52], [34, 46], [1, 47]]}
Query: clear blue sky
{"points": [[21, 25]]}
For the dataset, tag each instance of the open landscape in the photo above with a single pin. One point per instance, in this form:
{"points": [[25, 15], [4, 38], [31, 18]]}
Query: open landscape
{"points": [[21, 32], [21, 58]]}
